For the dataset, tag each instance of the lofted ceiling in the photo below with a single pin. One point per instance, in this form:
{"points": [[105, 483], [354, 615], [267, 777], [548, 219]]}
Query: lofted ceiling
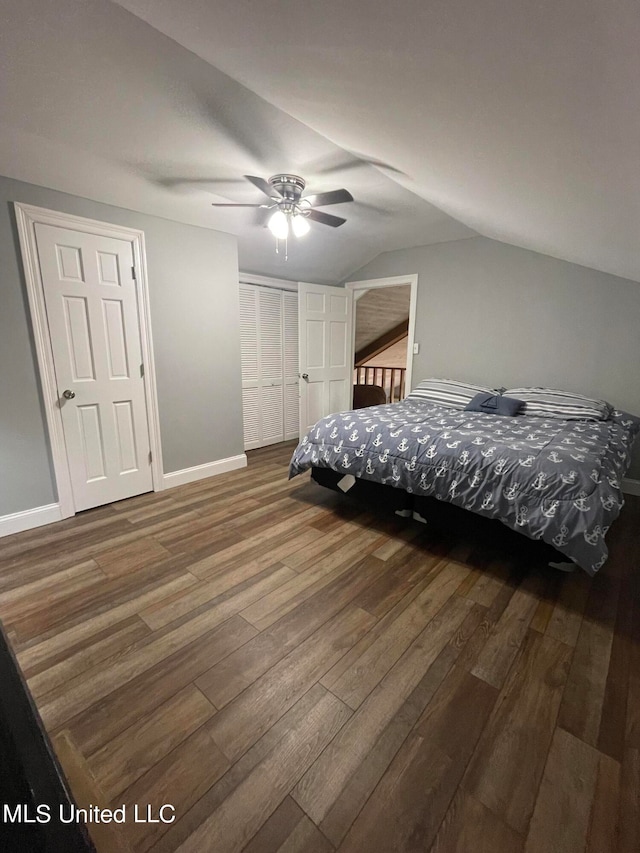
{"points": [[380, 310], [96, 102], [520, 119], [444, 118]]}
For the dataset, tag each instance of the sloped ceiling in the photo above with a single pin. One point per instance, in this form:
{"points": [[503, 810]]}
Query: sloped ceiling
{"points": [[379, 311], [520, 119], [98, 103], [515, 119]]}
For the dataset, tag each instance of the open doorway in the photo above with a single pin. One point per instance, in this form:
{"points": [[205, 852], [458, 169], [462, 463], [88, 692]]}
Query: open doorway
{"points": [[383, 332]]}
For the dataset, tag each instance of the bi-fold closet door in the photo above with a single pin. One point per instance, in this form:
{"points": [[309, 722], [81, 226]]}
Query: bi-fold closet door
{"points": [[269, 340]]}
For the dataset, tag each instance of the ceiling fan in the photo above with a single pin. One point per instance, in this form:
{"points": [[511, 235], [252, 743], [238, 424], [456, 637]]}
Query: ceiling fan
{"points": [[291, 210]]}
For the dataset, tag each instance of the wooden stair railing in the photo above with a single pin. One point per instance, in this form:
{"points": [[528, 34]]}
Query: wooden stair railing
{"points": [[392, 379]]}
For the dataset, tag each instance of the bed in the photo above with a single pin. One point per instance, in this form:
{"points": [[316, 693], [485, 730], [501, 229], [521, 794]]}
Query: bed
{"points": [[552, 479]]}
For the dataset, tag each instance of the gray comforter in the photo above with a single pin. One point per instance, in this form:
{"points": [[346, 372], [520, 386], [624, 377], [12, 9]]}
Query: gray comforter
{"points": [[549, 479]]}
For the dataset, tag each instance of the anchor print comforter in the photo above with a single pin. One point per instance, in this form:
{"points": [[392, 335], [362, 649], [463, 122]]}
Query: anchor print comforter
{"points": [[555, 480]]}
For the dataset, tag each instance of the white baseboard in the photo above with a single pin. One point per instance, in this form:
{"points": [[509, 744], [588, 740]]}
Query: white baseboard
{"points": [[199, 472], [29, 518], [631, 487]]}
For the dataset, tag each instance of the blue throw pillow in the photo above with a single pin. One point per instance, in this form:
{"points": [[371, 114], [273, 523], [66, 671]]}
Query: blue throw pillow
{"points": [[495, 404]]}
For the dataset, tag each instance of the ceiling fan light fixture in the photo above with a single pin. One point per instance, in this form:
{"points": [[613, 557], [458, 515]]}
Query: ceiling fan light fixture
{"points": [[279, 225], [300, 225]]}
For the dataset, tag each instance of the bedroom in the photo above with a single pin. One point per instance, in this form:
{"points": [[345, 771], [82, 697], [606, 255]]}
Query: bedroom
{"points": [[511, 194]]}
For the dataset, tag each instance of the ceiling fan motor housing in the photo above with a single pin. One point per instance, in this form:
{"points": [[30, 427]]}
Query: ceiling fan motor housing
{"points": [[290, 187]]}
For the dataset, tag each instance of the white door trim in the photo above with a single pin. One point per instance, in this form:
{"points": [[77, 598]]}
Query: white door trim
{"points": [[26, 218], [267, 281], [391, 281]]}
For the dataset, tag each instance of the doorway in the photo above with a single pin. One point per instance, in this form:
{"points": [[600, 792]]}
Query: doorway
{"points": [[86, 283], [383, 334]]}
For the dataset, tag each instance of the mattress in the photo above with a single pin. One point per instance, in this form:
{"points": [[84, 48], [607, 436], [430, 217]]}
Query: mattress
{"points": [[549, 479]]}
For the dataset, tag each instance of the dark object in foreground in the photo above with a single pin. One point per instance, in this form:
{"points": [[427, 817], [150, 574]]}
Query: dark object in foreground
{"points": [[368, 395], [30, 775]]}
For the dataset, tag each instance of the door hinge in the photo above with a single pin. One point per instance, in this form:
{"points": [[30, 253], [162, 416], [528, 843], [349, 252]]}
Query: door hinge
{"points": [[142, 370], [133, 274]]}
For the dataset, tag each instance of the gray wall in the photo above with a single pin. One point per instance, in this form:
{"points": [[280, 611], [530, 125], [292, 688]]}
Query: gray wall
{"points": [[193, 284], [498, 315]]}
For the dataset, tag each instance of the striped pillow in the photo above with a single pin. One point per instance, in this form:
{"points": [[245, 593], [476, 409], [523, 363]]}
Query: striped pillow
{"points": [[447, 392], [550, 403]]}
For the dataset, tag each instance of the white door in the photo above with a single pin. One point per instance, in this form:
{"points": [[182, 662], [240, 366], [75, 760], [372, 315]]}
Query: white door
{"points": [[269, 347], [92, 313], [290, 359], [326, 364]]}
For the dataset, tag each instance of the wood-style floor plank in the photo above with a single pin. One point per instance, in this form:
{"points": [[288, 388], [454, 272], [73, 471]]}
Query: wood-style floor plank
{"points": [[424, 775], [87, 793], [603, 823], [276, 831], [469, 826], [224, 681], [180, 778], [244, 720], [355, 683], [506, 769], [509, 632], [268, 745], [362, 783], [133, 752], [560, 819], [581, 709], [244, 811], [119, 709], [294, 672], [628, 828], [322, 784]]}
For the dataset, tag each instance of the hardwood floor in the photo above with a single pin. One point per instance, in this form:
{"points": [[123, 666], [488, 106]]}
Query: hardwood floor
{"points": [[293, 673]]}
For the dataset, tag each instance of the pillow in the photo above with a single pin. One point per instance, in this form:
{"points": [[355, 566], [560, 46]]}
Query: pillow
{"points": [[551, 403], [447, 392], [495, 404]]}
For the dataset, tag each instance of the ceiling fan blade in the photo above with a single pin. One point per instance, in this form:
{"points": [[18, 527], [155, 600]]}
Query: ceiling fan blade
{"points": [[231, 204], [325, 218], [332, 197], [263, 186]]}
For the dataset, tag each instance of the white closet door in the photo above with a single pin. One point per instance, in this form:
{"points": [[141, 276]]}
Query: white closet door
{"points": [[290, 357], [271, 367], [250, 365], [269, 341]]}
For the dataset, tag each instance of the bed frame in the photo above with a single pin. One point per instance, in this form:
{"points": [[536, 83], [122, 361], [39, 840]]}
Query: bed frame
{"points": [[428, 510]]}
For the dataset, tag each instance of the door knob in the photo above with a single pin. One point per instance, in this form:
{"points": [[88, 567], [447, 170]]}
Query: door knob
{"points": [[68, 395], [305, 376]]}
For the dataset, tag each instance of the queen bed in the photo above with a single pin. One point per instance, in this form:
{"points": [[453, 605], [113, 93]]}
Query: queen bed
{"points": [[553, 473]]}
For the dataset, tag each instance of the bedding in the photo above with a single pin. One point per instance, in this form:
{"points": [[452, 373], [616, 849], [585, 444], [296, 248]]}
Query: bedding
{"points": [[548, 478], [551, 403], [447, 392]]}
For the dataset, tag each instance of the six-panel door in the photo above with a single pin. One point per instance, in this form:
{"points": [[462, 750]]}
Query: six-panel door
{"points": [[92, 313], [325, 318]]}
